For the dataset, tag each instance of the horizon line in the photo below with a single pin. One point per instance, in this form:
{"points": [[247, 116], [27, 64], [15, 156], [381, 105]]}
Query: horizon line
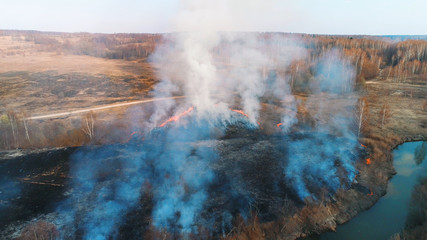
{"points": [[240, 31]]}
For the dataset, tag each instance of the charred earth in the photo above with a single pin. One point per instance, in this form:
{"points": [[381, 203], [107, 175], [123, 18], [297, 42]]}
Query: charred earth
{"points": [[238, 179]]}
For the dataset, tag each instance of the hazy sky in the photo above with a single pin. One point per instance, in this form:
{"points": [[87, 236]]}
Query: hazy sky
{"points": [[303, 16]]}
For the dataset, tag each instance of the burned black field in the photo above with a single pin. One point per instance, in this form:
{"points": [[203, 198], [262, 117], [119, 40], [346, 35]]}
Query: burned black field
{"points": [[36, 182], [156, 186]]}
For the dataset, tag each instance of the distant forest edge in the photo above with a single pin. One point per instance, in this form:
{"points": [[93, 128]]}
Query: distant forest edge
{"points": [[397, 56]]}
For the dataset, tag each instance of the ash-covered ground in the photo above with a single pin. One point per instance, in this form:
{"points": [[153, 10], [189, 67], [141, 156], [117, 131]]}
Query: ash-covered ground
{"points": [[156, 186]]}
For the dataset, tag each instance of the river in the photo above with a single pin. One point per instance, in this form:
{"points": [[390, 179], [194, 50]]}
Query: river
{"points": [[389, 214]]}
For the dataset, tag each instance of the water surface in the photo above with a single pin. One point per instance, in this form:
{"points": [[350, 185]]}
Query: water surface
{"points": [[388, 215]]}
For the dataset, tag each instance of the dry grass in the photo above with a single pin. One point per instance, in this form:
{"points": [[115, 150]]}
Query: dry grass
{"points": [[405, 124], [35, 80], [40, 230], [45, 61], [26, 56]]}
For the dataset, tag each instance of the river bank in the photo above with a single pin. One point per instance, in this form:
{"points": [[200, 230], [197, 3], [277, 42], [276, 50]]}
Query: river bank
{"points": [[407, 123]]}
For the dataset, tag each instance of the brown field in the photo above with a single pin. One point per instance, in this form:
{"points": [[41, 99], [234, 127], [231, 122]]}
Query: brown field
{"points": [[19, 55], [37, 81]]}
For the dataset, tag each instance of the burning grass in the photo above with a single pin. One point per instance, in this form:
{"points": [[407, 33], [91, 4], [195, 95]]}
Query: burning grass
{"points": [[244, 182], [250, 195], [177, 117]]}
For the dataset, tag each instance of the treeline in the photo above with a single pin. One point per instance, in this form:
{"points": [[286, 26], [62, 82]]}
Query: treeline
{"points": [[371, 56], [357, 57], [113, 46], [379, 57], [117, 46], [17, 131]]}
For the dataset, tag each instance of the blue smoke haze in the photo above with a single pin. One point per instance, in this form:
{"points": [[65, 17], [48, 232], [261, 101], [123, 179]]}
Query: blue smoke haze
{"points": [[108, 181], [312, 160], [9, 189], [334, 74]]}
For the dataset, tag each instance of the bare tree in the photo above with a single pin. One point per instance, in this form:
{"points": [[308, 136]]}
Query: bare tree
{"points": [[89, 123], [4, 130], [24, 120], [362, 115], [385, 114], [27, 136], [14, 127]]}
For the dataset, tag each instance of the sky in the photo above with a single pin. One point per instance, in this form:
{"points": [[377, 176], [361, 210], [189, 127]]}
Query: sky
{"points": [[366, 17]]}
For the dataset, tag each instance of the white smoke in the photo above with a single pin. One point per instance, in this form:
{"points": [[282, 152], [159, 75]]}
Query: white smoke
{"points": [[309, 165], [216, 70]]}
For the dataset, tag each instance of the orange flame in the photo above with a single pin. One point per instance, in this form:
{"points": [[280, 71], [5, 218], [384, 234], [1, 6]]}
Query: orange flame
{"points": [[368, 161], [244, 114], [240, 112], [363, 145], [133, 133], [354, 179], [177, 117], [279, 124], [371, 194]]}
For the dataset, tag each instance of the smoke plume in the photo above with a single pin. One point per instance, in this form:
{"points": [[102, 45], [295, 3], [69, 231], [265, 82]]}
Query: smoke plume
{"points": [[308, 165], [220, 79]]}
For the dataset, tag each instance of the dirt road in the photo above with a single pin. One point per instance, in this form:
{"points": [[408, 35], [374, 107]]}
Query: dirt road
{"points": [[68, 113]]}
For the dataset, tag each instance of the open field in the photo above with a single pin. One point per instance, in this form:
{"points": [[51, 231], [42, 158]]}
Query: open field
{"points": [[37, 82]]}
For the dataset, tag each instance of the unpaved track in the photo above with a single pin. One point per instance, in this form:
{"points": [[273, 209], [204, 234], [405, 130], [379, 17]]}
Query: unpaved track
{"points": [[62, 114]]}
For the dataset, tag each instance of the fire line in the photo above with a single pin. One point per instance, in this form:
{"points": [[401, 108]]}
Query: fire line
{"points": [[240, 112], [244, 114], [177, 117]]}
